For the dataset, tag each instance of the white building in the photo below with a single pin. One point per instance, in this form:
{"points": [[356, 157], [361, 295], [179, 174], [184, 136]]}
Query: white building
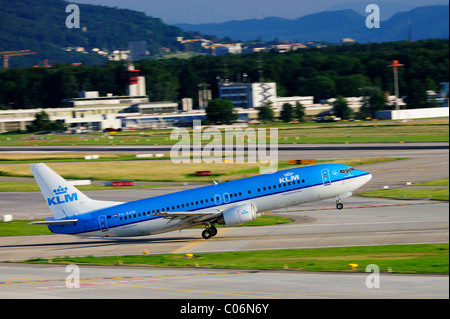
{"points": [[306, 101], [254, 95], [228, 48], [248, 95]]}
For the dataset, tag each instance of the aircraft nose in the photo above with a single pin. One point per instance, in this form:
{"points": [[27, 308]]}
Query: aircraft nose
{"points": [[367, 178]]}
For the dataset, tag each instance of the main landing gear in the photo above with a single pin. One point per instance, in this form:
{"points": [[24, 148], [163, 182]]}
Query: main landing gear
{"points": [[209, 232]]}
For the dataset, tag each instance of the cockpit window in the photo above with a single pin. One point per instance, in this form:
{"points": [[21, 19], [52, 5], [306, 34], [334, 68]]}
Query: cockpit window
{"points": [[347, 170]]}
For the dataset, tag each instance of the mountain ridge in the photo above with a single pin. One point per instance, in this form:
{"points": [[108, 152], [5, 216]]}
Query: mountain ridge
{"points": [[332, 26], [42, 28]]}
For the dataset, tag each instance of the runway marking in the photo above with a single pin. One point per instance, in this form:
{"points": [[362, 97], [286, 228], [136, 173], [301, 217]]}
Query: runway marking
{"points": [[121, 279], [102, 283], [209, 292], [198, 242]]}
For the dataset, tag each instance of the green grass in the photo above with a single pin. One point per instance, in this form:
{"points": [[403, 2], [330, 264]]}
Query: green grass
{"points": [[439, 182], [436, 130], [21, 228], [414, 259], [161, 171], [412, 193]]}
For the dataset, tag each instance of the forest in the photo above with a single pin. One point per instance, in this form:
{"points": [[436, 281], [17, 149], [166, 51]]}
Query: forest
{"points": [[41, 28], [324, 73]]}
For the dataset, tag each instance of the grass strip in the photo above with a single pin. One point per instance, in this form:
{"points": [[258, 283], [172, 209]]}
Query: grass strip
{"points": [[21, 228], [439, 182], [163, 171], [412, 193], [412, 259]]}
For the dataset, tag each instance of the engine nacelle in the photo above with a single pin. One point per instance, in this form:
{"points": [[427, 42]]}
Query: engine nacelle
{"points": [[238, 215]]}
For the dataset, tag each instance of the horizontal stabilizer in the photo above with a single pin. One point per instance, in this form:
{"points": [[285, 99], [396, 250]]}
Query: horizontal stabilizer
{"points": [[54, 222]]}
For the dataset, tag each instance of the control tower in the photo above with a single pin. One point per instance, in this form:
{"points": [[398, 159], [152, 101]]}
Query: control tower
{"points": [[135, 82]]}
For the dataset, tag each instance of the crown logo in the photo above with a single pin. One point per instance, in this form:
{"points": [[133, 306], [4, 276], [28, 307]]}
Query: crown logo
{"points": [[60, 190]]}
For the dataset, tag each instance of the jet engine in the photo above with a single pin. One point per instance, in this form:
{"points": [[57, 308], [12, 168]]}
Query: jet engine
{"points": [[238, 215]]}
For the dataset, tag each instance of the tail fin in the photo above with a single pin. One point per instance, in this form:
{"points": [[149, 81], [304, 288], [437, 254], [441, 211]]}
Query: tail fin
{"points": [[62, 197]]}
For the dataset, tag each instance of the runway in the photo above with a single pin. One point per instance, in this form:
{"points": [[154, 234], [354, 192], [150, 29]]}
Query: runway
{"points": [[181, 286], [364, 221]]}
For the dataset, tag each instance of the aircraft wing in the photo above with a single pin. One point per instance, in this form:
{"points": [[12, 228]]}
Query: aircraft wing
{"points": [[191, 217]]}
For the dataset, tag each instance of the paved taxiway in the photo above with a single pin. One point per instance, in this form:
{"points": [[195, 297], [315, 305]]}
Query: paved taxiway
{"points": [[48, 281], [364, 221]]}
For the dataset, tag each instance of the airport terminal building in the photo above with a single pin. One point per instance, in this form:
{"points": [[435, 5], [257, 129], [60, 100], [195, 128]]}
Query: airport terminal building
{"points": [[92, 112]]}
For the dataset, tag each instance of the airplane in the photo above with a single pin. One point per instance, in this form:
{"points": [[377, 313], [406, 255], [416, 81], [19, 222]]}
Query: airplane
{"points": [[229, 203]]}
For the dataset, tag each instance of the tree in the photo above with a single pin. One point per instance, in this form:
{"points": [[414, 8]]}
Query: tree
{"points": [[341, 108], [300, 112], [417, 95], [287, 113], [221, 111], [322, 87], [265, 113], [373, 101], [42, 122]]}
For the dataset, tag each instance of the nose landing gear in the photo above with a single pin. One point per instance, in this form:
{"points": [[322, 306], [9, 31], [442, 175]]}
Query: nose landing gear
{"points": [[339, 205]]}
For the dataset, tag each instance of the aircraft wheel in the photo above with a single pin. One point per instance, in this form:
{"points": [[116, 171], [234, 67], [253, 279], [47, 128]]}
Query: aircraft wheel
{"points": [[213, 231], [339, 206], [206, 234]]}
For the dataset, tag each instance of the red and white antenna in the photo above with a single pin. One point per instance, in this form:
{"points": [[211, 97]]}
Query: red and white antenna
{"points": [[395, 64]]}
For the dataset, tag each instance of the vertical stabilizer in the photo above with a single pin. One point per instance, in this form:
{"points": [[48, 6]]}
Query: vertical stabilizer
{"points": [[62, 197]]}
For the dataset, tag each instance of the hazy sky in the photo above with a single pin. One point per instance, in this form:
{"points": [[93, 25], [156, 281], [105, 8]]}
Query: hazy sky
{"points": [[206, 11]]}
